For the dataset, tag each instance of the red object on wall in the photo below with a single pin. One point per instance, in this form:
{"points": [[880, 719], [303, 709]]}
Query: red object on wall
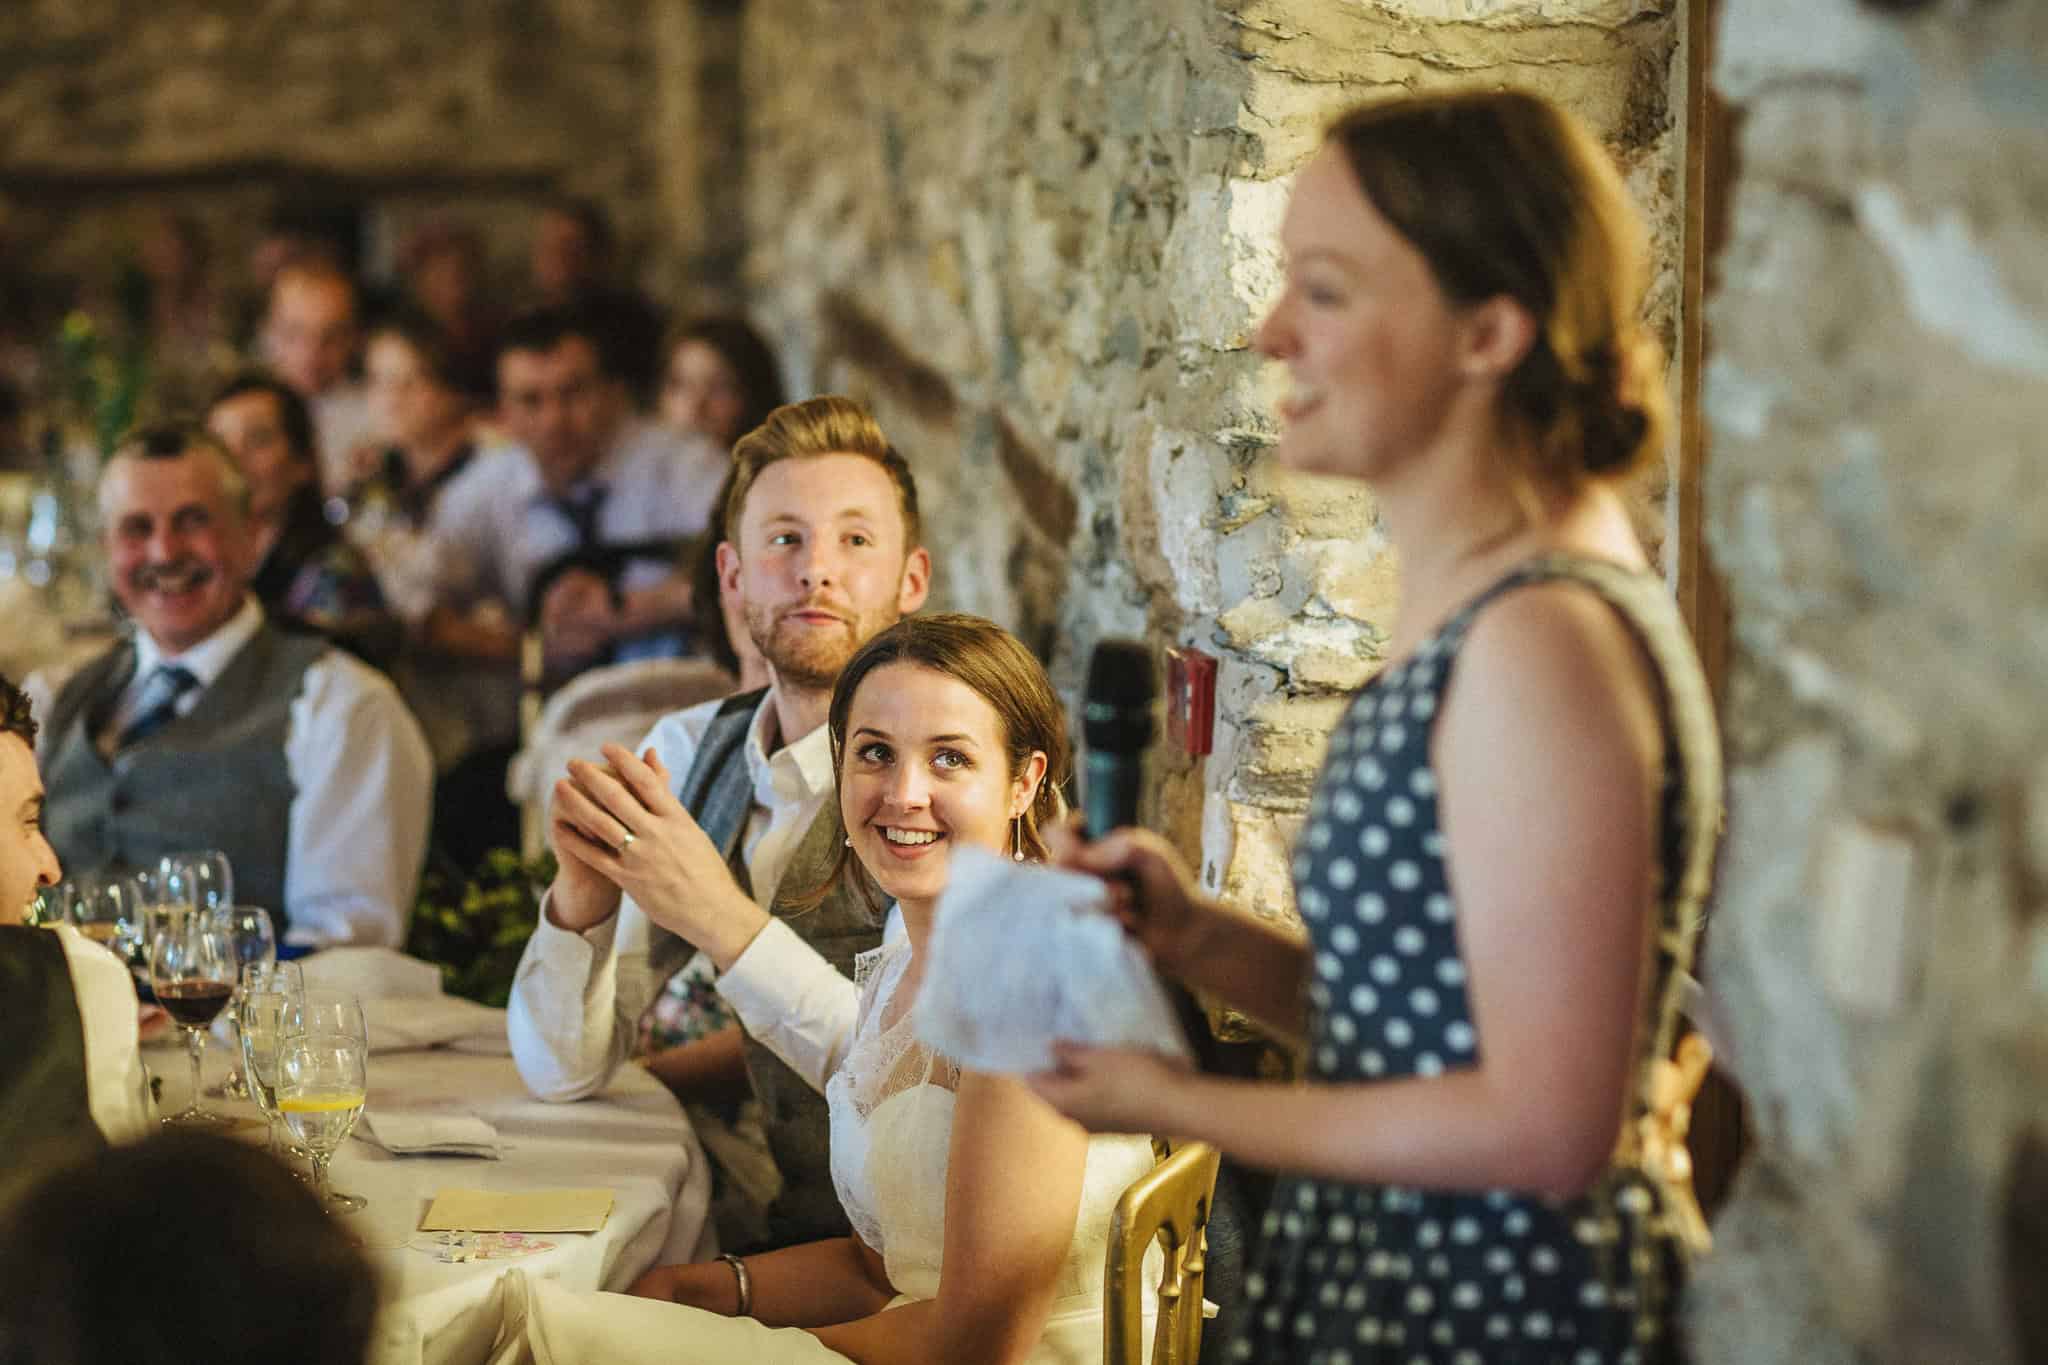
{"points": [[1190, 699]]}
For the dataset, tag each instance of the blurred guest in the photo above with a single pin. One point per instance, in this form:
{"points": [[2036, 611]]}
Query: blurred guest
{"points": [[572, 262], [600, 499], [184, 1249], [309, 340], [461, 703], [422, 412], [307, 574], [443, 264], [719, 380], [211, 728], [72, 1075]]}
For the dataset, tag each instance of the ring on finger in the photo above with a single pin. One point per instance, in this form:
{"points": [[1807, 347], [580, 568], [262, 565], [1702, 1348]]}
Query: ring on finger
{"points": [[627, 840]]}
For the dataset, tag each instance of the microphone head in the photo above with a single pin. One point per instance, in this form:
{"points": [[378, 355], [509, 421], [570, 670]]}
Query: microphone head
{"points": [[1116, 710]]}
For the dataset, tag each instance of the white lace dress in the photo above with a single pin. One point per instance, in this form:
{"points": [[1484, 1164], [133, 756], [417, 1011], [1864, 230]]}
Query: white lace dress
{"points": [[892, 1128]]}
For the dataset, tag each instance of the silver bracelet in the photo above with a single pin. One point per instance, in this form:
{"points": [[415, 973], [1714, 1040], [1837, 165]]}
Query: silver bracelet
{"points": [[746, 1282]]}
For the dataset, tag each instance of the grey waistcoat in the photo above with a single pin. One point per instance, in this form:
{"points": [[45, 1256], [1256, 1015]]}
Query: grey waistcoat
{"points": [[719, 792], [43, 1101], [214, 778]]}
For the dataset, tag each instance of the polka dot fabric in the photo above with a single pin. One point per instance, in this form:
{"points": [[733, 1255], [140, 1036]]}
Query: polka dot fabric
{"points": [[1352, 1273]]}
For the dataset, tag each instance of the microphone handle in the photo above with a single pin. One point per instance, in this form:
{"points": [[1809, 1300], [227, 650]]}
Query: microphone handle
{"points": [[1109, 797]]}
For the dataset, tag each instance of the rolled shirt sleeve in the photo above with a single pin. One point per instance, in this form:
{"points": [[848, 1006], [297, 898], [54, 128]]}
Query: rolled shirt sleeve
{"points": [[357, 831], [107, 1016]]}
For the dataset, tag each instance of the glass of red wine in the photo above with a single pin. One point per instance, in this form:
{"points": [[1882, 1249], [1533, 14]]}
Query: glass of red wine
{"points": [[192, 970]]}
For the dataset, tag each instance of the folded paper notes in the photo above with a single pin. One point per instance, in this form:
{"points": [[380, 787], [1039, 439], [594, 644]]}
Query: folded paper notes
{"points": [[518, 1211], [1022, 955]]}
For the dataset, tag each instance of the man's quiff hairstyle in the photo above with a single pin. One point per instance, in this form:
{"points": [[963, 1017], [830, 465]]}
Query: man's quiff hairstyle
{"points": [[831, 425]]}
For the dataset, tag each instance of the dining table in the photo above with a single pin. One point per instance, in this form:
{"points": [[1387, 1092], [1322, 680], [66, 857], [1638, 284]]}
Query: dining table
{"points": [[441, 1300]]}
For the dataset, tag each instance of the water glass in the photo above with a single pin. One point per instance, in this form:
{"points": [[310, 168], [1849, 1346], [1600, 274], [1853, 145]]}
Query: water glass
{"points": [[262, 1033], [322, 1080], [108, 910]]}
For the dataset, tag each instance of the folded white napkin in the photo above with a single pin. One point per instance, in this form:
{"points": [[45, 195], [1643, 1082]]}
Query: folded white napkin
{"points": [[403, 1132], [1021, 955], [402, 1023], [367, 972]]}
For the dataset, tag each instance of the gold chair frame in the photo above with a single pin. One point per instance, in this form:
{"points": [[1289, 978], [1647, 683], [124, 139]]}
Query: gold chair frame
{"points": [[1169, 1204]]}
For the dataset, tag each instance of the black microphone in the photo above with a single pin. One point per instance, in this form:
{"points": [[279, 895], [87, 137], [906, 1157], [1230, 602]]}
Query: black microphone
{"points": [[1116, 720]]}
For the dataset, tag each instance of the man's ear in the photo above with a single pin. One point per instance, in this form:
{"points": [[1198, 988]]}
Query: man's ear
{"points": [[1497, 335], [916, 584], [728, 567]]}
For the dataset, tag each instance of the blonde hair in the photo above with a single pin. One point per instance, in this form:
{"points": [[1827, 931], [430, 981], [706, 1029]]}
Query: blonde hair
{"points": [[819, 426], [1504, 193]]}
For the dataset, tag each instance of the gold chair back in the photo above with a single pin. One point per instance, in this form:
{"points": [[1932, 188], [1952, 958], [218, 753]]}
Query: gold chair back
{"points": [[1170, 1205]]}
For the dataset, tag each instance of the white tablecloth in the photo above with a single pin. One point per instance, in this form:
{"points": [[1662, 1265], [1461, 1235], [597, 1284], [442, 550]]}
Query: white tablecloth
{"points": [[633, 1140]]}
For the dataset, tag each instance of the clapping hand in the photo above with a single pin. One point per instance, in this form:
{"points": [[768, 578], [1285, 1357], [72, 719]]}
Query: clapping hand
{"points": [[621, 819]]}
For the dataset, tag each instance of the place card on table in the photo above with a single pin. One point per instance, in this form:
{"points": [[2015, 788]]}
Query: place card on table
{"points": [[518, 1211]]}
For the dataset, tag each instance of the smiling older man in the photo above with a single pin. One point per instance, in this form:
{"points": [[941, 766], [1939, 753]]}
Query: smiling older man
{"points": [[211, 728]]}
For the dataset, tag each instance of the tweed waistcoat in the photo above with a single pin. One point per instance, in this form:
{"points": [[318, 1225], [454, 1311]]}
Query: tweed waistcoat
{"points": [[719, 792]]}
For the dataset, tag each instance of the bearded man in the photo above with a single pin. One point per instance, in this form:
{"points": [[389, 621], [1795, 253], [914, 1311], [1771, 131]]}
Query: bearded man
{"points": [[824, 554]]}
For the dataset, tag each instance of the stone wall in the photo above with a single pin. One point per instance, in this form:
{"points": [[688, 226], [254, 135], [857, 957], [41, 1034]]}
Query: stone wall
{"points": [[1037, 237], [108, 106], [1877, 392]]}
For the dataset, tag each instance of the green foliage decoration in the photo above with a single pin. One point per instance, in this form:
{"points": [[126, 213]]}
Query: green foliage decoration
{"points": [[475, 928]]}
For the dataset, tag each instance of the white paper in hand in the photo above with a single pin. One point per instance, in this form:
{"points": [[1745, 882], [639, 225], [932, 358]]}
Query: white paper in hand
{"points": [[1021, 955]]}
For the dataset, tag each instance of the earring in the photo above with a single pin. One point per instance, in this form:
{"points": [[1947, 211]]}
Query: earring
{"points": [[1017, 841], [848, 841]]}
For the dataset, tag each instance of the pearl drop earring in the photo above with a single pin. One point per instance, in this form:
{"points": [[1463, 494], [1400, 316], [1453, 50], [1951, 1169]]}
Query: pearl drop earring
{"points": [[1017, 825]]}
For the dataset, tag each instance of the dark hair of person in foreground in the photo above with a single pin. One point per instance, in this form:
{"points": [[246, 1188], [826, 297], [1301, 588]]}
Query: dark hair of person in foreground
{"points": [[185, 1248]]}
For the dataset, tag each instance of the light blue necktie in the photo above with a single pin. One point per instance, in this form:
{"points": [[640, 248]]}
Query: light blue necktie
{"points": [[167, 683]]}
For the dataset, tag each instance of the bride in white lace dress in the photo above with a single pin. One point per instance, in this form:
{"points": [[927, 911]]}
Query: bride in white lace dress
{"points": [[981, 1216]]}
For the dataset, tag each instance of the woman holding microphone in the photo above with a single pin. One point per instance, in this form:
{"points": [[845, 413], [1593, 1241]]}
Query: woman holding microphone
{"points": [[1503, 863]]}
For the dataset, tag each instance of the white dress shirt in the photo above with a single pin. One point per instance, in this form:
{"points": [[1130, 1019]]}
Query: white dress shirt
{"points": [[500, 527], [107, 1011], [342, 421], [578, 997], [357, 830]]}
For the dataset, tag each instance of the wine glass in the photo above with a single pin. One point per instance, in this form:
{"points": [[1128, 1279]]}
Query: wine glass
{"points": [[192, 970], [321, 1083], [200, 879], [254, 940], [108, 910], [57, 904]]}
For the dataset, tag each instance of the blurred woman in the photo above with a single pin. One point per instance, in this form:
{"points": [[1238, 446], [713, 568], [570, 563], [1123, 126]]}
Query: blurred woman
{"points": [[719, 380], [1504, 860]]}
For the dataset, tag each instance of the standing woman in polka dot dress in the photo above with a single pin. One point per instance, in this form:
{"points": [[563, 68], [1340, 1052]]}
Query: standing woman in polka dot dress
{"points": [[1505, 856]]}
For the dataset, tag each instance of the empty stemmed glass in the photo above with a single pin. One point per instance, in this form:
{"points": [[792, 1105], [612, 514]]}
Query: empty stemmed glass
{"points": [[255, 943], [192, 970], [322, 1079], [268, 991]]}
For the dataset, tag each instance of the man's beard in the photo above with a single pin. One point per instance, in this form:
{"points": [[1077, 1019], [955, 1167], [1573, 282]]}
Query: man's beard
{"points": [[807, 658]]}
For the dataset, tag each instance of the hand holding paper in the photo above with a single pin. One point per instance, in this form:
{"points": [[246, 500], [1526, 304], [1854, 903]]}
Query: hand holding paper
{"points": [[1021, 956]]}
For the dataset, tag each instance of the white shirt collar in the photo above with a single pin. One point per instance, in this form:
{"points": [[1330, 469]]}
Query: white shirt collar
{"points": [[795, 772], [209, 658]]}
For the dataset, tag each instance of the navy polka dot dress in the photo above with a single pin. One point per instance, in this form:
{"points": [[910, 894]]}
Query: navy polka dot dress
{"points": [[1354, 1273]]}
